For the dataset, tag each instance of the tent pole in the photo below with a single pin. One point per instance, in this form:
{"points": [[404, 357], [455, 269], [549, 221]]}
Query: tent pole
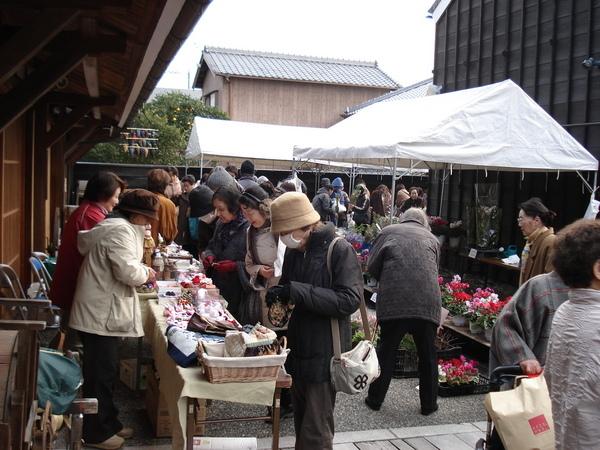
{"points": [[442, 192], [201, 164], [393, 188]]}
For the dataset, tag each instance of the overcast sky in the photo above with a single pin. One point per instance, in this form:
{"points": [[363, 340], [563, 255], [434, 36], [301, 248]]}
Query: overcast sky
{"points": [[395, 33]]}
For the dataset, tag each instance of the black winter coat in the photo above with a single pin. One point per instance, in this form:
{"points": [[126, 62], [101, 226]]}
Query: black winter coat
{"points": [[322, 204], [229, 243], [309, 329]]}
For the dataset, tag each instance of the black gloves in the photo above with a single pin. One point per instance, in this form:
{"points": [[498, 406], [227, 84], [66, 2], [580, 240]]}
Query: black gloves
{"points": [[278, 294]]}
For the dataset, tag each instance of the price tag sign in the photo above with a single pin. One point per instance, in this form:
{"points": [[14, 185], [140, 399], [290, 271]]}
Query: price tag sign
{"points": [[473, 253]]}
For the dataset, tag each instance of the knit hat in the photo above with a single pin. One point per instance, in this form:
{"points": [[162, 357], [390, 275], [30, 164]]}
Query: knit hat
{"points": [[338, 183], [201, 201], [254, 195], [415, 215], [292, 211], [262, 179], [139, 201], [325, 182], [220, 178], [247, 167]]}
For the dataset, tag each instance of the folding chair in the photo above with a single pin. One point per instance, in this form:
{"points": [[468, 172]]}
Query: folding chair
{"points": [[42, 275], [11, 287]]}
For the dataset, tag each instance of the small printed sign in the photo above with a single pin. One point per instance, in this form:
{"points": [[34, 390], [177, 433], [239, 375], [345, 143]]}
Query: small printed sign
{"points": [[473, 253], [539, 424]]}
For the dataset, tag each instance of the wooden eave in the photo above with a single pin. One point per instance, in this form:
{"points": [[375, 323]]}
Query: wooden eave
{"points": [[114, 37]]}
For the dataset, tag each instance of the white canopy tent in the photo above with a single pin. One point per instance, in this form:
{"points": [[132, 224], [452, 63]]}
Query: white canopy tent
{"points": [[270, 147], [495, 127]]}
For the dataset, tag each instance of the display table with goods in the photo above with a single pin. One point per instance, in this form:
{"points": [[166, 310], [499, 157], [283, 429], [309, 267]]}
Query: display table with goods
{"points": [[202, 353], [473, 313]]}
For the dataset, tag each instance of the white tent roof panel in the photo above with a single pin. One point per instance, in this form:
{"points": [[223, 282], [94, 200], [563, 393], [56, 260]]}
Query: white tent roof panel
{"points": [[495, 127]]}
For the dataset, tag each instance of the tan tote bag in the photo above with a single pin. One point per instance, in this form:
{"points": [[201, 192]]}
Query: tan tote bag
{"points": [[523, 415]]}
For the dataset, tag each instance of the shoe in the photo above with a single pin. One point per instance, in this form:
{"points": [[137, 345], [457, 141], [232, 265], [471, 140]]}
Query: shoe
{"points": [[371, 404], [112, 443], [284, 413], [125, 433], [427, 411]]}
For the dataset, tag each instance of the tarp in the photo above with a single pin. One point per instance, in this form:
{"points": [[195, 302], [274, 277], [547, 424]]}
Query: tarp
{"points": [[496, 127], [269, 146]]}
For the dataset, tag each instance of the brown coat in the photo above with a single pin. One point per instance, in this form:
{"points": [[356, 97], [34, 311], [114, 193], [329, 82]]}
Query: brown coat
{"points": [[539, 260], [166, 224]]}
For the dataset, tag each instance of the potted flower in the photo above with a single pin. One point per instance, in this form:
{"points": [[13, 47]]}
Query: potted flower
{"points": [[477, 307], [455, 231], [458, 376], [439, 227], [455, 298], [488, 312]]}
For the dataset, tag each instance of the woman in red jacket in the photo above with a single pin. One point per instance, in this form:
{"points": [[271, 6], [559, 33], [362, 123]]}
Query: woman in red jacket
{"points": [[100, 197]]}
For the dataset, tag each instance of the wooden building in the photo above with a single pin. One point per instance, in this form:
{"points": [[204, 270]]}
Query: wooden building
{"points": [[72, 73], [540, 45], [286, 89]]}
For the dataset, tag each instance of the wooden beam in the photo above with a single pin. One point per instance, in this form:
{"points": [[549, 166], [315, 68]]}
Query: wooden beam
{"points": [[89, 29], [80, 4], [77, 136], [64, 124], [29, 40], [64, 98], [30, 90]]}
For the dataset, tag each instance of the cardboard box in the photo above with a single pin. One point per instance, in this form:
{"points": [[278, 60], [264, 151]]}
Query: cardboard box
{"points": [[127, 373], [159, 414]]}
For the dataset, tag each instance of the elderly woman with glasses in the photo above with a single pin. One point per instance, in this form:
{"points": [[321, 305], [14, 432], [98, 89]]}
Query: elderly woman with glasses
{"points": [[535, 221]]}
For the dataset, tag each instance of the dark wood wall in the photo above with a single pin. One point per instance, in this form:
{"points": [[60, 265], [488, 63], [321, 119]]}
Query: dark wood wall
{"points": [[540, 45]]}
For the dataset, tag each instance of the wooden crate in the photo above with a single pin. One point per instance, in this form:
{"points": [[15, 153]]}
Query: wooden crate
{"points": [[159, 414], [127, 370]]}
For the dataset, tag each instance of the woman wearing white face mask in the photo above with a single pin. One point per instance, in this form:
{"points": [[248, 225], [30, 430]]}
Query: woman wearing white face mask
{"points": [[306, 287]]}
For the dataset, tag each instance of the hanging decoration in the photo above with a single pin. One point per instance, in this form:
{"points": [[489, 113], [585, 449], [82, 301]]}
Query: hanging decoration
{"points": [[140, 141]]}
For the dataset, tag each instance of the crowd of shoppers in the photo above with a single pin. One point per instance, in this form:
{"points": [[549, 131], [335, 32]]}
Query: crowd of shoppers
{"points": [[264, 244]]}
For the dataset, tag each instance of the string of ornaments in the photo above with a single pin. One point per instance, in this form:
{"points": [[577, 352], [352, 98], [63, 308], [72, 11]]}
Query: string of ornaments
{"points": [[140, 141]]}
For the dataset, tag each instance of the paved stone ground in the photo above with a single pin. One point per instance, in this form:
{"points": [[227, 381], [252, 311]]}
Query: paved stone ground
{"points": [[460, 436], [398, 419]]}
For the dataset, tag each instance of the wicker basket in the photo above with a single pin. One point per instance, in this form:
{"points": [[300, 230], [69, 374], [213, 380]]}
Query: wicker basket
{"points": [[247, 369]]}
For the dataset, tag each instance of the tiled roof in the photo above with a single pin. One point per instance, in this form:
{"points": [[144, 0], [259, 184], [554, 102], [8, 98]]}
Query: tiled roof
{"points": [[413, 91], [194, 93], [252, 64]]}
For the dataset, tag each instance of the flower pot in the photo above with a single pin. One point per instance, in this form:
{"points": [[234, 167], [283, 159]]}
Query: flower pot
{"points": [[441, 238], [474, 328], [459, 321], [480, 387], [488, 334], [454, 241]]}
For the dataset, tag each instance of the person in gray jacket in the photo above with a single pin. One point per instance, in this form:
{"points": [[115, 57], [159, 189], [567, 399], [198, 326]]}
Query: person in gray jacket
{"points": [[405, 260]]}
